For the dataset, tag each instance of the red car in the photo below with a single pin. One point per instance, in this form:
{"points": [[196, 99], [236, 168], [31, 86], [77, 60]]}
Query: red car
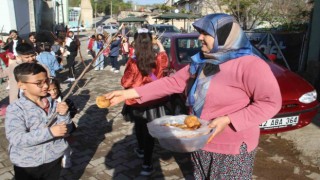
{"points": [[299, 98]]}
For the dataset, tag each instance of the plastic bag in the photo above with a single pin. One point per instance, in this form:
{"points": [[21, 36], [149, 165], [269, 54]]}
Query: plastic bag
{"points": [[177, 139]]}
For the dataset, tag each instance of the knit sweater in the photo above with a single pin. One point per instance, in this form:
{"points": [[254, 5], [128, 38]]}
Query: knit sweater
{"points": [[31, 143], [245, 90]]}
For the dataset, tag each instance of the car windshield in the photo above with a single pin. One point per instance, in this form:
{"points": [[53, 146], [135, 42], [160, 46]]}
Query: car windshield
{"points": [[166, 29], [186, 48]]}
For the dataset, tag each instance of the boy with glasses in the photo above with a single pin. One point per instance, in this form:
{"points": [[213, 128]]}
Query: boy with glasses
{"points": [[26, 54], [34, 149]]}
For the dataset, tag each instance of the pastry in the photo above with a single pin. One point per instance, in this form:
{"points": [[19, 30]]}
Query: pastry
{"points": [[102, 102], [192, 122]]}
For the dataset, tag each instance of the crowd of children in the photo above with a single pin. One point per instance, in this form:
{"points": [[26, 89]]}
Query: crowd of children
{"points": [[31, 74]]}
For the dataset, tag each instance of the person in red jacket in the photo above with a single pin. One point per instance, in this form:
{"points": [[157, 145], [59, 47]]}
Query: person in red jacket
{"points": [[226, 85], [144, 67], [90, 46]]}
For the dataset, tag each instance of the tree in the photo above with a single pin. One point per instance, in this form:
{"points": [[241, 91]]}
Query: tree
{"points": [[104, 6], [74, 3], [250, 12]]}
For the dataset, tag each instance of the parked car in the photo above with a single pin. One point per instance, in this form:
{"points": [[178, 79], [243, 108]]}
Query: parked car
{"points": [[299, 104], [160, 28], [110, 29], [76, 29]]}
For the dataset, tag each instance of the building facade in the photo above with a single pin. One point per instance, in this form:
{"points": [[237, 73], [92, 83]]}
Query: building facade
{"points": [[27, 16]]}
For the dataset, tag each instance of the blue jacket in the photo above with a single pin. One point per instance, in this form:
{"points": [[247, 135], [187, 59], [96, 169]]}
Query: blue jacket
{"points": [[97, 45], [115, 47], [47, 59], [31, 143]]}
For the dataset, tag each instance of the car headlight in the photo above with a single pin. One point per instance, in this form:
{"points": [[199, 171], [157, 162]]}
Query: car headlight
{"points": [[308, 97]]}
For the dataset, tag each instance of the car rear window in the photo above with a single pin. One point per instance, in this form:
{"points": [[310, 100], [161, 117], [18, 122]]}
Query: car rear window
{"points": [[166, 29], [186, 48]]}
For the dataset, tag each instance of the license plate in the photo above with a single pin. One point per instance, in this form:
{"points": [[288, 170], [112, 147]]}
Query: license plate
{"points": [[280, 122]]}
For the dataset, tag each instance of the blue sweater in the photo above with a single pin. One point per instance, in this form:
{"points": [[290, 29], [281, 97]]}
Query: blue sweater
{"points": [[31, 143], [115, 47], [50, 61]]}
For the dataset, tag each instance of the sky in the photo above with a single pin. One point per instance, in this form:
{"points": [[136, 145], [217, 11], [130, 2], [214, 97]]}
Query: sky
{"points": [[144, 2]]}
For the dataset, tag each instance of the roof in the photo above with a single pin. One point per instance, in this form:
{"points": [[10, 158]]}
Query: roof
{"points": [[132, 19], [176, 16]]}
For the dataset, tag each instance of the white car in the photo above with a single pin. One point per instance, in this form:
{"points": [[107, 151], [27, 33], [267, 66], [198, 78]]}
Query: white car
{"points": [[76, 29], [110, 29]]}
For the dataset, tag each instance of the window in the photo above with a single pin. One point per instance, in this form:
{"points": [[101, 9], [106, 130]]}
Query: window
{"points": [[186, 48], [73, 15]]}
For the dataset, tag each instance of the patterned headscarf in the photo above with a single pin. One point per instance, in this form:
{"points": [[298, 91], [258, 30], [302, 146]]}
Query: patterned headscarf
{"points": [[230, 42]]}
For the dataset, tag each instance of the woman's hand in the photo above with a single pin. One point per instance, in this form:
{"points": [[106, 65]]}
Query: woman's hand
{"points": [[161, 48], [119, 96], [219, 124]]}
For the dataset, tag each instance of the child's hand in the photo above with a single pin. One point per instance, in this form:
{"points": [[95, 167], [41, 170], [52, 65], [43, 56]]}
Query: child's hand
{"points": [[62, 108], [59, 130]]}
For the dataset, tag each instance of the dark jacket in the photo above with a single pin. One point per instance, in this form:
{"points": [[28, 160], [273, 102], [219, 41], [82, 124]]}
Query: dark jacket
{"points": [[73, 48], [115, 47], [9, 45]]}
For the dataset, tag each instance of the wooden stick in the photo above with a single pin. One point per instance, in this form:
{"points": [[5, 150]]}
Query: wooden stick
{"points": [[53, 118]]}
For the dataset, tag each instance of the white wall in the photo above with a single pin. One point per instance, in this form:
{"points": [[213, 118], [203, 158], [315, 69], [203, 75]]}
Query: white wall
{"points": [[7, 14]]}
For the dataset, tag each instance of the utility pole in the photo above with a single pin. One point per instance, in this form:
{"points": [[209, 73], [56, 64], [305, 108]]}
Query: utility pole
{"points": [[111, 9], [95, 14], [32, 16]]}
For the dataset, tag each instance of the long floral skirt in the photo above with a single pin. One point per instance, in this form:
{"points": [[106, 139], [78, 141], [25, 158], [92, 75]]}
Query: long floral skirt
{"points": [[215, 166]]}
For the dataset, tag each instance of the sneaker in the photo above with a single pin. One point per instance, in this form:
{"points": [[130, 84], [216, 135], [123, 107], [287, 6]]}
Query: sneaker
{"points": [[96, 69], [139, 152], [67, 80], [8, 87], [146, 170], [116, 71], [66, 162], [112, 69], [72, 79]]}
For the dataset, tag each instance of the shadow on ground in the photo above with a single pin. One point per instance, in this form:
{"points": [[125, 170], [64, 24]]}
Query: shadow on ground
{"points": [[91, 130]]}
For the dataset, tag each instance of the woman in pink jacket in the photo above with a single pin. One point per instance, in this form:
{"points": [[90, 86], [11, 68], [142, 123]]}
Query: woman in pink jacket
{"points": [[228, 86]]}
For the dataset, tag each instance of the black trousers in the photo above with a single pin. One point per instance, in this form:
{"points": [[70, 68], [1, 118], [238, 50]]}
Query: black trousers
{"points": [[145, 140], [114, 62], [141, 116], [71, 63], [49, 171]]}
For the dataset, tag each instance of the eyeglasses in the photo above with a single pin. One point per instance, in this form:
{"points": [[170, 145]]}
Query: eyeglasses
{"points": [[40, 84]]}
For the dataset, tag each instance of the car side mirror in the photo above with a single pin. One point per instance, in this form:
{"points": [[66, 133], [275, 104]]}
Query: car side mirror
{"points": [[272, 57]]}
